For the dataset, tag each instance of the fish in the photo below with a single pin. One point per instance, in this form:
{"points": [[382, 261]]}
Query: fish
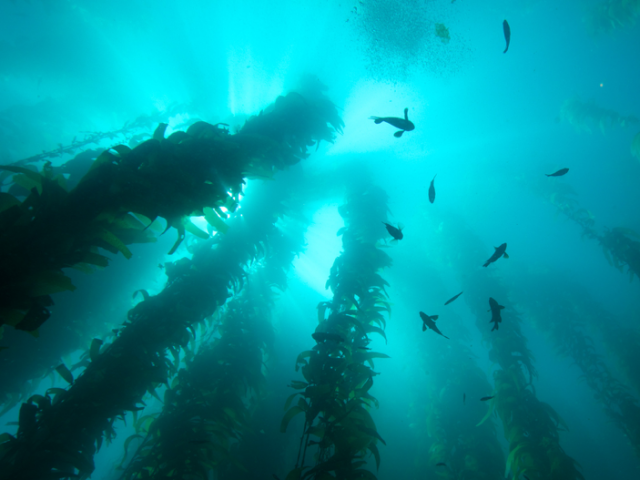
{"points": [[559, 173], [484, 399], [432, 191], [500, 251], [363, 348], [507, 34], [404, 124], [495, 313], [396, 233], [441, 464], [464, 398], [322, 337], [452, 299], [429, 322]]}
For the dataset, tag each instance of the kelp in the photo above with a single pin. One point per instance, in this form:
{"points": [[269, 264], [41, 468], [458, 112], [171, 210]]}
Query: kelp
{"points": [[620, 245], [530, 426], [563, 318], [338, 374], [582, 115], [171, 178], [611, 15], [64, 434], [468, 449]]}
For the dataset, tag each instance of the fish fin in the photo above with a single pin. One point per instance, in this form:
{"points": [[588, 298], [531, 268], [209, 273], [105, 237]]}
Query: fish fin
{"points": [[446, 337], [505, 255], [377, 120], [434, 317], [406, 114], [486, 264], [424, 327], [398, 134], [501, 307], [495, 248]]}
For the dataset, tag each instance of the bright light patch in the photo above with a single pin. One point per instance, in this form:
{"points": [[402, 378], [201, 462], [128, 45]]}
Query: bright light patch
{"points": [[202, 224], [323, 246], [250, 83]]}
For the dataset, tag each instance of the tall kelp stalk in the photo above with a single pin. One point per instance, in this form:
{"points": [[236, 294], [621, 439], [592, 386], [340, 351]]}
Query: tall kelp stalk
{"points": [[562, 317], [462, 446], [338, 371], [57, 436], [197, 172], [530, 426], [620, 246], [610, 15], [208, 407]]}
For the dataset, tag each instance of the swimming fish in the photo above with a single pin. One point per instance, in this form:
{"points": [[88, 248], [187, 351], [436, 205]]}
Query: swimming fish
{"points": [[396, 233], [500, 251], [495, 313], [404, 124], [441, 464], [559, 173], [464, 398], [432, 191], [507, 34], [429, 322], [484, 399], [452, 299]]}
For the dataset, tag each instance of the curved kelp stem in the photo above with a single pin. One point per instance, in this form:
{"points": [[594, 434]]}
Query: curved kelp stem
{"points": [[620, 246], [562, 317], [338, 371], [56, 437], [197, 172]]}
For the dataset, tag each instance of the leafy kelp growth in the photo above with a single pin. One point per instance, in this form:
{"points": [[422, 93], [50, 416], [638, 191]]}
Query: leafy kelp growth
{"points": [[530, 426], [198, 172], [562, 318], [610, 15], [620, 246], [60, 435], [338, 371], [582, 115], [461, 448]]}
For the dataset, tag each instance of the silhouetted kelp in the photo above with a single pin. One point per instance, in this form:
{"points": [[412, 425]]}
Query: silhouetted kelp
{"points": [[334, 396], [69, 428]]}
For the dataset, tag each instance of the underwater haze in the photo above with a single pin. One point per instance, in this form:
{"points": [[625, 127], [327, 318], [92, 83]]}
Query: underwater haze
{"points": [[320, 239]]}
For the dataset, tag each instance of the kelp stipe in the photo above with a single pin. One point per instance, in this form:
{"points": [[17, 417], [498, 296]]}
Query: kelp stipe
{"points": [[71, 428], [338, 372]]}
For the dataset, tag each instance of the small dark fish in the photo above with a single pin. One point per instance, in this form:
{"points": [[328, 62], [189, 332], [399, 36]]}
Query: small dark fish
{"points": [[429, 322], [559, 173], [441, 464], [363, 348], [507, 34], [500, 251], [495, 313], [404, 124], [464, 398], [396, 233], [322, 337], [432, 191], [484, 399], [452, 299]]}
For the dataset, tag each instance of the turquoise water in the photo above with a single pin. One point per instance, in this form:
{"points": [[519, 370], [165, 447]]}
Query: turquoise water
{"points": [[489, 125]]}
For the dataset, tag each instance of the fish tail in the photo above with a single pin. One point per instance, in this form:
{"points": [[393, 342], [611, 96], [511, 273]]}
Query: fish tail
{"points": [[486, 264], [377, 120]]}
